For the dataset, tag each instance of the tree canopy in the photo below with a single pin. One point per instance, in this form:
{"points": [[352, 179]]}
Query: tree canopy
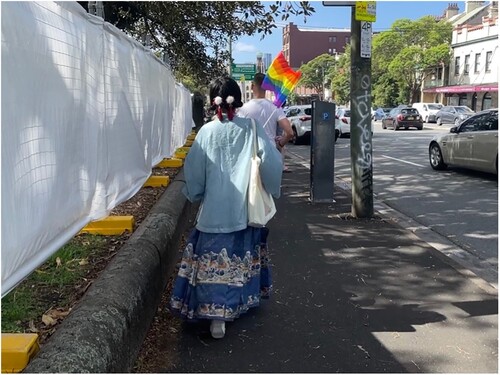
{"points": [[194, 35], [315, 73], [406, 54]]}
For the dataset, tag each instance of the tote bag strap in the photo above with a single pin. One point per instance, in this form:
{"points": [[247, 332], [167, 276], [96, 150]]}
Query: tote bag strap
{"points": [[254, 138]]}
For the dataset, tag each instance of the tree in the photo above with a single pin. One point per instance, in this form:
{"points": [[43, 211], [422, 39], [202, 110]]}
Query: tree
{"points": [[316, 71], [340, 78], [408, 53], [193, 35]]}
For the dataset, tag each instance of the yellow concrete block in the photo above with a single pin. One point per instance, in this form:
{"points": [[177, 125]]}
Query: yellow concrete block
{"points": [[183, 149], [188, 143], [111, 225], [191, 137], [17, 350], [170, 163], [157, 181], [180, 155]]}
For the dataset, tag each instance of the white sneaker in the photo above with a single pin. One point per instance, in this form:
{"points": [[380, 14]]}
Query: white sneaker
{"points": [[218, 329]]}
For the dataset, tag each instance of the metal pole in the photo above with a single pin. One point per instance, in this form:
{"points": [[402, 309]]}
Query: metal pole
{"points": [[361, 137]]}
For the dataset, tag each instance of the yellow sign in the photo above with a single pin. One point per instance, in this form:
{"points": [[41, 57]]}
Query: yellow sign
{"points": [[365, 11], [242, 78]]}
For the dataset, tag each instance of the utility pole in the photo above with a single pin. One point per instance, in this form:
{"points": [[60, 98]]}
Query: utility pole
{"points": [[230, 67], [361, 103]]}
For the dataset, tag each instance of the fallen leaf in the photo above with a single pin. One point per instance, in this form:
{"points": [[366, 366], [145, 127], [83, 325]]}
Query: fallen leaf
{"points": [[58, 262], [32, 327], [57, 313], [48, 321], [83, 262]]}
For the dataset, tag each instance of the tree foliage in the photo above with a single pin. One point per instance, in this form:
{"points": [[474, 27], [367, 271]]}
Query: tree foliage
{"points": [[406, 54], [316, 72], [194, 35], [340, 78]]}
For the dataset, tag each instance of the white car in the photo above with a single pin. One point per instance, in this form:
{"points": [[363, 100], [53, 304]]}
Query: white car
{"points": [[428, 111], [343, 122], [300, 119], [473, 144]]}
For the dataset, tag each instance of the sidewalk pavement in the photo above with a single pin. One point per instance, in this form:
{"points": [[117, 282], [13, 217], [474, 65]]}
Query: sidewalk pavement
{"points": [[350, 295]]}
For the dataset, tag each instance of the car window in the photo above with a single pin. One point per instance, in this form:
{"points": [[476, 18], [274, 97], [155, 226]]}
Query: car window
{"points": [[393, 112], [347, 113], [475, 123], [308, 111], [434, 106], [488, 122], [409, 111], [293, 112], [463, 110]]}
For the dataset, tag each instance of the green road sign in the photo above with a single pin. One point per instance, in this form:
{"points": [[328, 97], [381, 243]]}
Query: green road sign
{"points": [[247, 71]]}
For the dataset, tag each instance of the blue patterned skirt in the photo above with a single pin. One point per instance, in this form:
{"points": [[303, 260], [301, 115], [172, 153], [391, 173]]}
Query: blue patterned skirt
{"points": [[222, 275]]}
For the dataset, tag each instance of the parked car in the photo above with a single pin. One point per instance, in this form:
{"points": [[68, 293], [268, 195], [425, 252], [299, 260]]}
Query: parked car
{"points": [[343, 122], [453, 114], [473, 144], [380, 113], [428, 110], [300, 119], [403, 117]]}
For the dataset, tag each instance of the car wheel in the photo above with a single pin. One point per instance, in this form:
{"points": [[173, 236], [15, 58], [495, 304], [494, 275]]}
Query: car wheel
{"points": [[420, 127], [383, 125], [337, 133], [436, 157], [438, 121], [457, 122], [295, 140]]}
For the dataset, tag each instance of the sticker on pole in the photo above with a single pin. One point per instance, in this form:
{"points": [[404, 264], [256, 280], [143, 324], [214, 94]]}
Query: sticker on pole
{"points": [[366, 39], [365, 11]]}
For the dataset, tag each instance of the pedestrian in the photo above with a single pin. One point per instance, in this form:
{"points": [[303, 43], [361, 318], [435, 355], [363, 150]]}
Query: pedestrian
{"points": [[272, 118], [224, 268]]}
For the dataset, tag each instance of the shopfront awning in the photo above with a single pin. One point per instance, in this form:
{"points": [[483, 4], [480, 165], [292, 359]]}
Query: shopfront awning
{"points": [[464, 88]]}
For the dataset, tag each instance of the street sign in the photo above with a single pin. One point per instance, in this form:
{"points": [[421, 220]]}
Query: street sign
{"points": [[366, 39], [247, 71], [365, 11]]}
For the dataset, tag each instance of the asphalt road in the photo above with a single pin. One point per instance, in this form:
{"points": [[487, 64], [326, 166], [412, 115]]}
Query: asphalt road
{"points": [[458, 204]]}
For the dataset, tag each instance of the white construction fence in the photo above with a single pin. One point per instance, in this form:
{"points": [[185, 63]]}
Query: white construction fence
{"points": [[87, 112]]}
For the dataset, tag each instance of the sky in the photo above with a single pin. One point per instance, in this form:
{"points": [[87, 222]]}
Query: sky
{"points": [[339, 17]]}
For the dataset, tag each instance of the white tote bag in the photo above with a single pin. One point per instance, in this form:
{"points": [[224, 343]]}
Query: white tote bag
{"points": [[261, 206]]}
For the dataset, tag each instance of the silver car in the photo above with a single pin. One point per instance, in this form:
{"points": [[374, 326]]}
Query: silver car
{"points": [[453, 114], [473, 144]]}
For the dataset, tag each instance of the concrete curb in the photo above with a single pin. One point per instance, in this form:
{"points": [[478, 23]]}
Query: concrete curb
{"points": [[104, 333]]}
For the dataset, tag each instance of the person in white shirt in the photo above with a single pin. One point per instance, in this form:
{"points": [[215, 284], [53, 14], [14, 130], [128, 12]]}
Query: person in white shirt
{"points": [[264, 112]]}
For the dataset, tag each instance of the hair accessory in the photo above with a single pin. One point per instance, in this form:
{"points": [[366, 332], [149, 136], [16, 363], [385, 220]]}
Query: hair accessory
{"points": [[217, 100], [230, 99]]}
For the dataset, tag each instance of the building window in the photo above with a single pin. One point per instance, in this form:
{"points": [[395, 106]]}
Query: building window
{"points": [[486, 101], [489, 55], [477, 63], [462, 99], [332, 39], [457, 66], [466, 65]]}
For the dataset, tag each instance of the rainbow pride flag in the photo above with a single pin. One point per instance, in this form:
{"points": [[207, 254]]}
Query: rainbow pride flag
{"points": [[281, 79]]}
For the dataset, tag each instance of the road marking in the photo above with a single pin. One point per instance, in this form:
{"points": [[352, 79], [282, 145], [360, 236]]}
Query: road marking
{"points": [[403, 161]]}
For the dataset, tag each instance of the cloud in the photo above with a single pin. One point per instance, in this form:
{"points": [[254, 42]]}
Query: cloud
{"points": [[243, 47]]}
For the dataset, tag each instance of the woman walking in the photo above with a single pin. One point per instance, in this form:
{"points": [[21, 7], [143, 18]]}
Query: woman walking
{"points": [[224, 269]]}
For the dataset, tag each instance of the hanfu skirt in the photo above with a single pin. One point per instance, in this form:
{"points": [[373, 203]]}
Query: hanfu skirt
{"points": [[222, 275]]}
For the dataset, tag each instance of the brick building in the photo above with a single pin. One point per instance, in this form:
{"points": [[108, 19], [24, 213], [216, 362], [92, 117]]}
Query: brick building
{"points": [[301, 45]]}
